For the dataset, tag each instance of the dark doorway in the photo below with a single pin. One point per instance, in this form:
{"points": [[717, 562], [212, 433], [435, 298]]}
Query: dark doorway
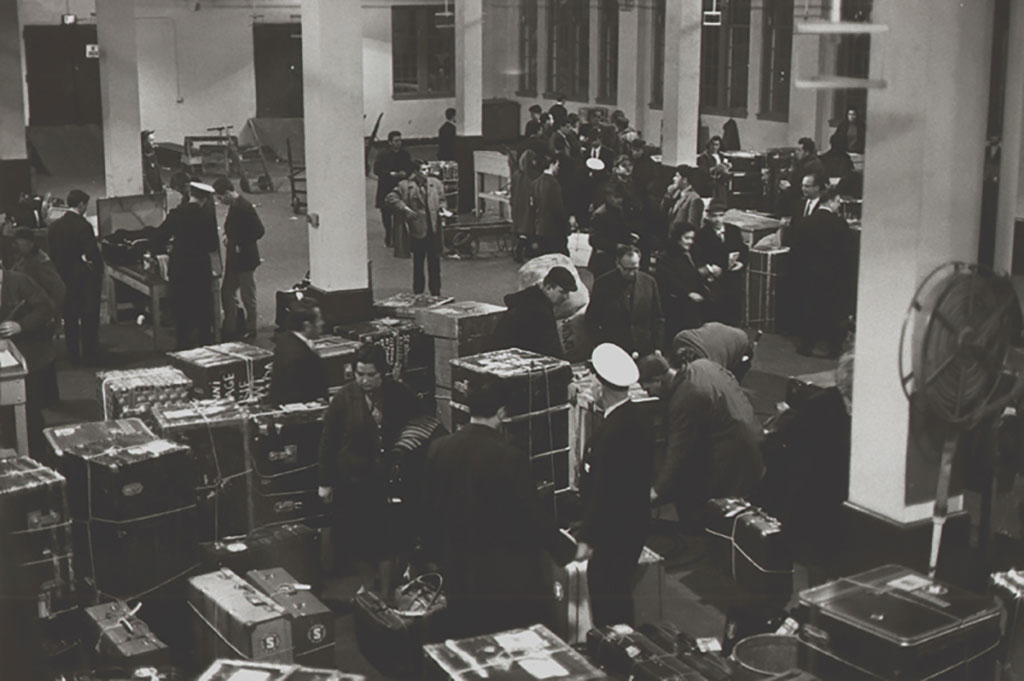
{"points": [[277, 58], [63, 84]]}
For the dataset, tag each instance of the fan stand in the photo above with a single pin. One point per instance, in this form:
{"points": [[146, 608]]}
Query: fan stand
{"points": [[941, 508]]}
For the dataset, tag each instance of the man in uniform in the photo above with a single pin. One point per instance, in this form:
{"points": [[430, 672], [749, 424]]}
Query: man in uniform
{"points": [[192, 230], [242, 229], [391, 167], [76, 255], [714, 438], [616, 477], [485, 524], [529, 322]]}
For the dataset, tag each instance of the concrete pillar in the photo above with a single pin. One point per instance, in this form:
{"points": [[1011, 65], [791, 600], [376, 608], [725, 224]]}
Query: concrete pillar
{"points": [[681, 110], [469, 70], [922, 201], [630, 56], [332, 72], [119, 93], [1011, 174], [15, 175]]}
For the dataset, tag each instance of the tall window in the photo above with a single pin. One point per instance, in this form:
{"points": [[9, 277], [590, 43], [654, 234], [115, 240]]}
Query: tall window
{"points": [[569, 49], [724, 61], [853, 58], [658, 56], [776, 59], [608, 51], [527, 47], [422, 53]]}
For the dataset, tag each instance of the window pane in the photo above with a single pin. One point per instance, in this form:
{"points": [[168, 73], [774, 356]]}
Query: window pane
{"points": [[422, 51], [776, 57], [440, 53], [403, 50], [569, 48], [528, 46], [608, 73], [725, 57], [658, 56]]}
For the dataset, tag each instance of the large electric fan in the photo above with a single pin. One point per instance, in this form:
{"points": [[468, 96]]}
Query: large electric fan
{"points": [[961, 359]]}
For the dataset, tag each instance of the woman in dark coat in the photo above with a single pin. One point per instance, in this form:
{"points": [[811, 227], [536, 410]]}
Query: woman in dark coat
{"points": [[362, 422], [681, 283]]}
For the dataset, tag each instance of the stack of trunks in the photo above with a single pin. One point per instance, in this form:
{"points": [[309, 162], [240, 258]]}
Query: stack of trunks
{"points": [[457, 330], [537, 421]]}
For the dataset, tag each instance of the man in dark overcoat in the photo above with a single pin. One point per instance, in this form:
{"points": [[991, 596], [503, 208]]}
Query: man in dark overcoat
{"points": [[625, 306], [242, 230], [552, 221], [614, 485], [362, 422], [485, 525], [297, 374], [76, 255], [529, 322], [393, 165], [720, 248]]}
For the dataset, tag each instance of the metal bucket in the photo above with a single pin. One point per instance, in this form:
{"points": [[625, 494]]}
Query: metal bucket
{"points": [[763, 656]]}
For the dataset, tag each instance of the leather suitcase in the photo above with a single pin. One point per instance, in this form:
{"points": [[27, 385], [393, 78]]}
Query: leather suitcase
{"points": [[34, 516], [893, 623], [312, 622], [287, 437], [120, 638], [516, 655], [532, 382], [233, 619], [749, 545], [292, 547], [237, 371], [571, 618], [237, 670], [388, 640]]}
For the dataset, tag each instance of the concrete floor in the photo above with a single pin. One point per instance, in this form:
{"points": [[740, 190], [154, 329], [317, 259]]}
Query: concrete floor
{"points": [[692, 594]]}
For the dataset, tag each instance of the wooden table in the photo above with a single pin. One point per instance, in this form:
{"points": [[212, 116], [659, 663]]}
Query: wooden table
{"points": [[156, 289], [12, 394]]}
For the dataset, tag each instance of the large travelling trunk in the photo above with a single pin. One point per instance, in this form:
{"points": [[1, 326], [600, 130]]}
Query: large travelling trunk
{"points": [[237, 371], [405, 305], [337, 355], [458, 329], [120, 638], [749, 545], [893, 623], [233, 619], [237, 670], [312, 622], [291, 547], [95, 435], [532, 382], [133, 392], [217, 433], [34, 514], [765, 269], [403, 342], [516, 655]]}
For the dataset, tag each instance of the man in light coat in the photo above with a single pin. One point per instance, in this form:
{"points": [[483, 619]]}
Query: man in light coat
{"points": [[418, 202]]}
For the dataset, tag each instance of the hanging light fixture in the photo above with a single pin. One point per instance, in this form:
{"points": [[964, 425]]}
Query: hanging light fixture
{"points": [[445, 18], [713, 16]]}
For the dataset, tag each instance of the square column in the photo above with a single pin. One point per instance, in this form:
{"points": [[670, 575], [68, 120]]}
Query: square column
{"points": [[332, 73], [15, 175], [1011, 173], [469, 70], [119, 93], [682, 82], [922, 207]]}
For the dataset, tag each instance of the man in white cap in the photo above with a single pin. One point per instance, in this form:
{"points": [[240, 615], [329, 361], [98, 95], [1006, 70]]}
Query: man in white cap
{"points": [[192, 230], [617, 470]]}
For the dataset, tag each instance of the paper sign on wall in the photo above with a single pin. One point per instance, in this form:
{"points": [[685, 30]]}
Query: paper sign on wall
{"points": [[92, 51]]}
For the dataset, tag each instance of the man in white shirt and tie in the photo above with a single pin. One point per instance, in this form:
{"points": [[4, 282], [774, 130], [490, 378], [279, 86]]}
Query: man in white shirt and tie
{"points": [[811, 186]]}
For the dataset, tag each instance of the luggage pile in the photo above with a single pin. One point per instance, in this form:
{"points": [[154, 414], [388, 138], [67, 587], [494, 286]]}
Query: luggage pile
{"points": [[236, 371], [407, 348]]}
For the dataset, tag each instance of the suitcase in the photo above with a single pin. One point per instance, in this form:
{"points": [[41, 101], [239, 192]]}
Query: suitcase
{"points": [[234, 619], [337, 355], [516, 655], [34, 517], [749, 545], [618, 647], [391, 642], [765, 269], [237, 371], [119, 638], [133, 392], [532, 382], [312, 622], [893, 623], [97, 435], [278, 508], [237, 670], [217, 432], [1008, 588], [405, 305], [291, 547], [712, 665], [286, 437]]}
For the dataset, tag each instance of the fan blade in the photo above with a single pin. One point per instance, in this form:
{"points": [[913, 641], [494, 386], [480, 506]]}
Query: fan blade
{"points": [[942, 367]]}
